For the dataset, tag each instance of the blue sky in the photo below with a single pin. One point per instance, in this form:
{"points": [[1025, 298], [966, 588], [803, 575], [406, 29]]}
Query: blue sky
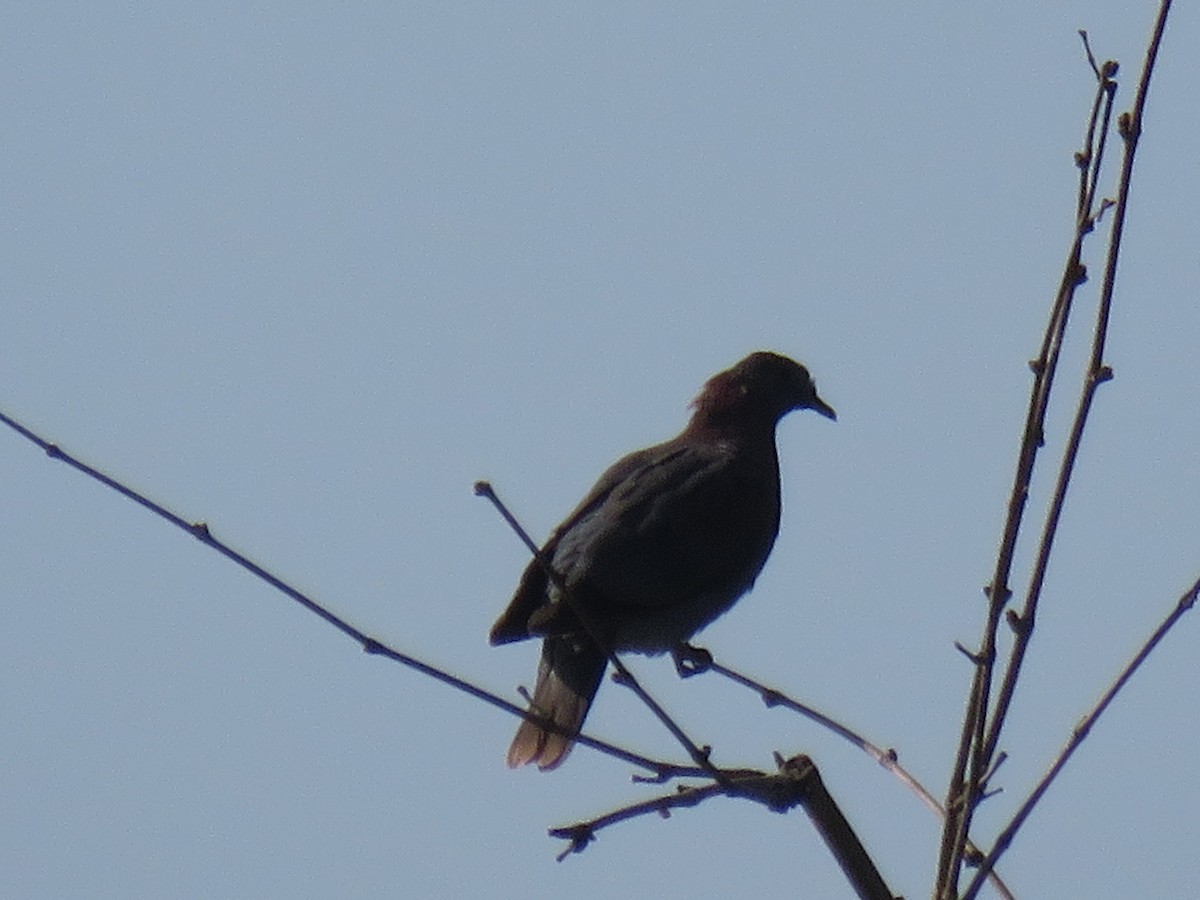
{"points": [[307, 272]]}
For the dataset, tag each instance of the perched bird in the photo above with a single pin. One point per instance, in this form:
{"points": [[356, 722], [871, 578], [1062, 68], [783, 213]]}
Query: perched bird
{"points": [[668, 539]]}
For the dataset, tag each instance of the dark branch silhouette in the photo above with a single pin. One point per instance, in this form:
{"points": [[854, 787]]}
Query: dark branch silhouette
{"points": [[1080, 733], [983, 724]]}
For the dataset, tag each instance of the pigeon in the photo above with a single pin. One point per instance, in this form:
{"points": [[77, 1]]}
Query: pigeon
{"points": [[668, 540]]}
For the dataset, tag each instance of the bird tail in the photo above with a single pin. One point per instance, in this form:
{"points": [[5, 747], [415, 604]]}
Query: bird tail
{"points": [[568, 677]]}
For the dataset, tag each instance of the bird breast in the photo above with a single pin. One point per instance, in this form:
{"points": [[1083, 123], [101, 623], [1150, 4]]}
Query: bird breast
{"points": [[672, 547]]}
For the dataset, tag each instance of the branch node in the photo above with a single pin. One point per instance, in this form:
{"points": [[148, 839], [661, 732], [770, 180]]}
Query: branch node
{"points": [[1006, 593], [662, 776], [54, 451], [975, 658], [1021, 625], [370, 645], [1188, 600], [1102, 374], [1126, 128], [579, 837], [989, 774], [200, 531]]}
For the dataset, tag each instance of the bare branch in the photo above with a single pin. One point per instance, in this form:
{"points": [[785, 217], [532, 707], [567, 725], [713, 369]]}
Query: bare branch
{"points": [[798, 783], [962, 793], [981, 734], [700, 755], [888, 759], [1082, 730], [200, 530], [1097, 374]]}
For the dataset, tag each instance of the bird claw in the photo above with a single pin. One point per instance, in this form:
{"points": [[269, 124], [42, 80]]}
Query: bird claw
{"points": [[691, 660]]}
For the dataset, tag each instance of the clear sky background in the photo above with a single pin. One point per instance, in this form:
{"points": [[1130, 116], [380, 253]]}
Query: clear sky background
{"points": [[307, 272]]}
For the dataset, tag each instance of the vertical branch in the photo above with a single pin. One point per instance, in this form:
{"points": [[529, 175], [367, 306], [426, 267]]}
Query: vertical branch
{"points": [[980, 737], [1023, 623], [959, 800], [1082, 730], [1130, 127]]}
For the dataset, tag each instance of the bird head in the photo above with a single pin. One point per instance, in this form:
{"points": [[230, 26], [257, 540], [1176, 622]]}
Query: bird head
{"points": [[760, 389]]}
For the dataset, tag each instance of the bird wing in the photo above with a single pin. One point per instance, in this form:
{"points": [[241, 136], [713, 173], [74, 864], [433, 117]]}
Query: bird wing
{"points": [[696, 520], [532, 592]]}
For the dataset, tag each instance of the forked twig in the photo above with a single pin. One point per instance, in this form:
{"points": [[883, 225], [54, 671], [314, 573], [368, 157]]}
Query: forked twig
{"points": [[797, 783], [887, 759]]}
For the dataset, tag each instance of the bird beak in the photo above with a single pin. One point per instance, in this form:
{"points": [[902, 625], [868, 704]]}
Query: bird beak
{"points": [[824, 408]]}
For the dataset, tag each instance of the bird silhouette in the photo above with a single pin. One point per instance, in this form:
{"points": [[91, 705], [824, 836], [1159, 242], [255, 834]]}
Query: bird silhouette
{"points": [[667, 540]]}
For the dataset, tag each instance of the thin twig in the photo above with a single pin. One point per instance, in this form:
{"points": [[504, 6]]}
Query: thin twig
{"points": [[581, 834], [201, 531], [979, 749], [887, 759], [1024, 624], [963, 792], [1184, 605], [699, 755], [797, 783], [1096, 374]]}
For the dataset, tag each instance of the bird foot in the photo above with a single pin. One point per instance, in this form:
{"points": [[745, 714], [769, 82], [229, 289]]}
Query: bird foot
{"points": [[691, 660]]}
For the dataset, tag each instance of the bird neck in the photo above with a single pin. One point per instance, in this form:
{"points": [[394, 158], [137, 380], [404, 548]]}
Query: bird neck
{"points": [[746, 432]]}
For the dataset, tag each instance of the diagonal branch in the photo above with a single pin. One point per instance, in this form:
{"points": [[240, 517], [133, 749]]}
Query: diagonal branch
{"points": [[887, 759], [623, 676], [797, 783], [1082, 730], [963, 793], [200, 530], [1130, 125]]}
